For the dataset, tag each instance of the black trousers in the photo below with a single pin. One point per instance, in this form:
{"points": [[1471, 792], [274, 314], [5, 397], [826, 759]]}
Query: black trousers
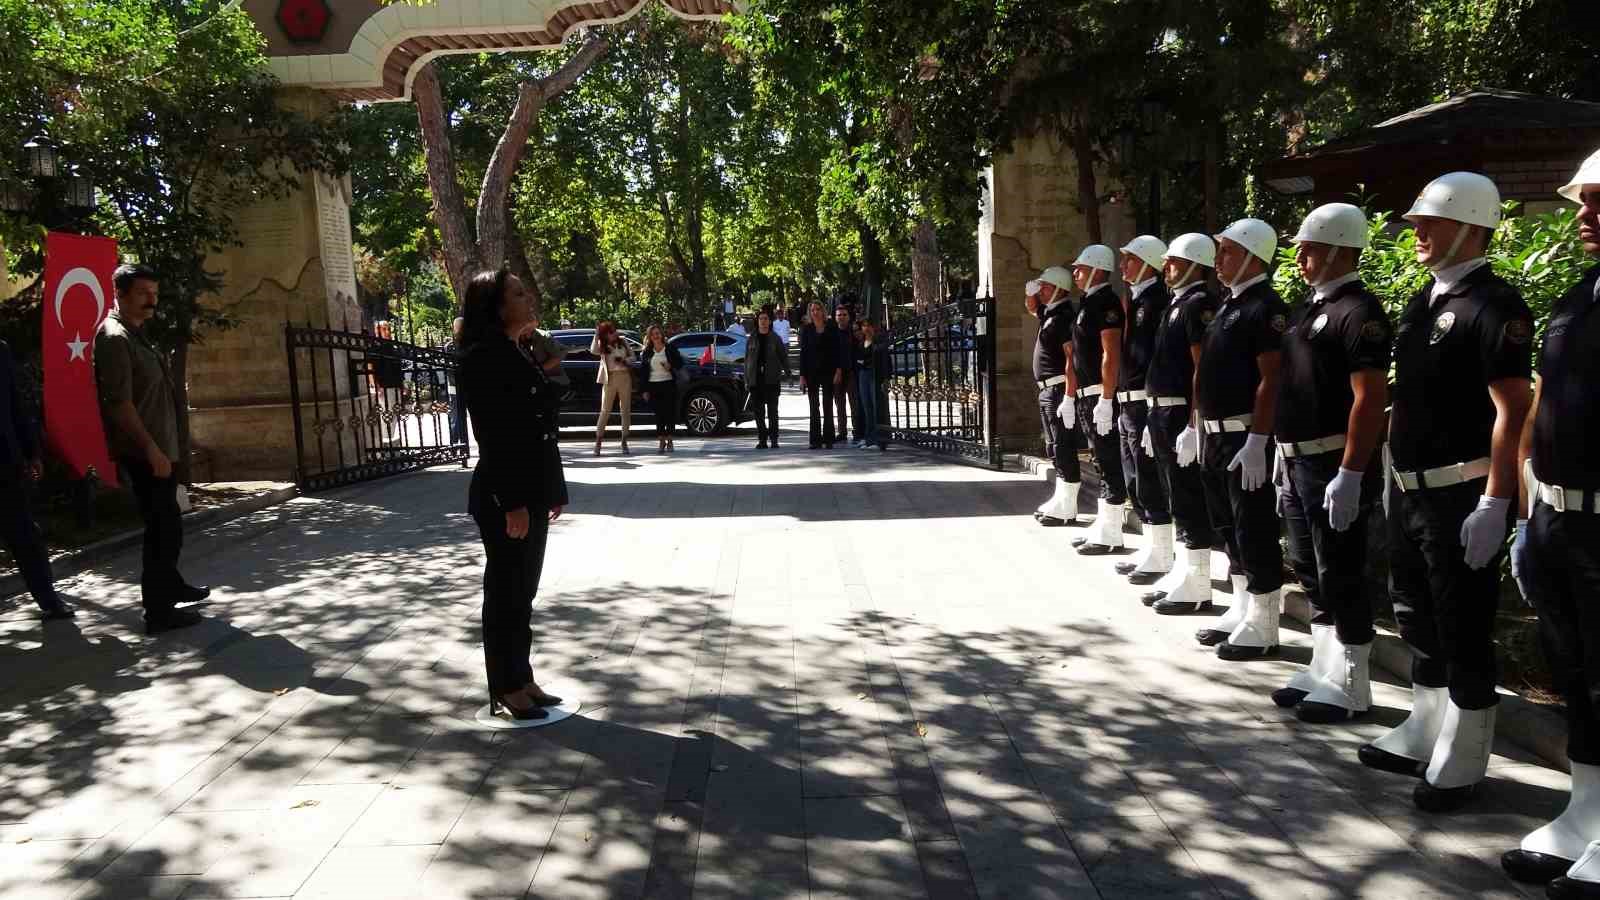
{"points": [[1060, 442], [1149, 495], [1185, 489], [510, 582], [664, 404], [161, 582], [1106, 451], [20, 534], [1331, 565], [848, 408], [1248, 520], [821, 418], [1446, 611], [1561, 578], [764, 403]]}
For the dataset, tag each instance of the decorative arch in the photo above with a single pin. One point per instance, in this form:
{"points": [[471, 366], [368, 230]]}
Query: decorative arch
{"points": [[398, 39]]}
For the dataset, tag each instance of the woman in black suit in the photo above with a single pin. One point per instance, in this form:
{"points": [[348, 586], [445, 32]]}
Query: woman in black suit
{"points": [[517, 489], [821, 373]]}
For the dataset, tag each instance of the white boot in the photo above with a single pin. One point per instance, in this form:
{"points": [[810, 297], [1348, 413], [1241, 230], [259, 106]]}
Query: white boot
{"points": [[1257, 635], [1407, 747], [1346, 688], [1218, 631], [1303, 682], [1460, 760], [1586, 872], [1549, 851], [1159, 558], [1193, 590], [1107, 532], [1062, 507], [1170, 582]]}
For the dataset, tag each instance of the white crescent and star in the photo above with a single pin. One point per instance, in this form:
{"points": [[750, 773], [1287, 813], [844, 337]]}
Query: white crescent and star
{"points": [[74, 278]]}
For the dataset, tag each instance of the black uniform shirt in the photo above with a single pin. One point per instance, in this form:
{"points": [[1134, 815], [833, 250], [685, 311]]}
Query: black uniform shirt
{"points": [[1446, 353], [1139, 338], [1328, 341], [1055, 329], [1246, 326], [1566, 431], [1098, 311], [1184, 324]]}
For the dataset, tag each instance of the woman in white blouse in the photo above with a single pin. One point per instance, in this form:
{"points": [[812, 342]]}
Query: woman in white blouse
{"points": [[663, 367], [615, 378]]}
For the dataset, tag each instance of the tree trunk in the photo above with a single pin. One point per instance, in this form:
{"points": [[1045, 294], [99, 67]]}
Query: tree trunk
{"points": [[1211, 177], [1088, 185], [449, 208], [872, 273], [517, 260], [925, 265], [181, 466]]}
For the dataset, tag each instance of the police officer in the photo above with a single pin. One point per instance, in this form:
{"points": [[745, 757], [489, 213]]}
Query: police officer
{"points": [[1556, 555], [1092, 381], [1461, 397], [1186, 268], [1050, 300], [1330, 419], [1236, 396], [1148, 299]]}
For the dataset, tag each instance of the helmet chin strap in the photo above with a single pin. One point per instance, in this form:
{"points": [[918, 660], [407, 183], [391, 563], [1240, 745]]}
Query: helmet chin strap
{"points": [[1184, 280], [1327, 263], [1240, 270], [1455, 247]]}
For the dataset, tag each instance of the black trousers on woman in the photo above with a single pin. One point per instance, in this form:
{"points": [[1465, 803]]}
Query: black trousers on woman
{"points": [[764, 403], [664, 403], [510, 581], [821, 419]]}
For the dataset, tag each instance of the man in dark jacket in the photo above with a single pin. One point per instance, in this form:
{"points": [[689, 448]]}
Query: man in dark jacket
{"points": [[19, 463]]}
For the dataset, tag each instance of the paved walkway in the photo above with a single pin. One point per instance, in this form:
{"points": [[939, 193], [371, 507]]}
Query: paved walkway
{"points": [[828, 675]]}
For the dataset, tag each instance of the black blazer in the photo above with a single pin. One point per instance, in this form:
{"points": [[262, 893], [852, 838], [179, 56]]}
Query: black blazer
{"points": [[874, 358], [19, 436], [819, 354], [514, 409], [674, 359]]}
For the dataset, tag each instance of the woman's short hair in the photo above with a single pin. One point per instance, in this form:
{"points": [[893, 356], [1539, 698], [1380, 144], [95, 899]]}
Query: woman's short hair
{"points": [[480, 311]]}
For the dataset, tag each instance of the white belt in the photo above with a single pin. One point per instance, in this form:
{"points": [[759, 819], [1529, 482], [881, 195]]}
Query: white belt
{"points": [[1236, 423], [1094, 390], [1132, 396], [1291, 449], [1051, 382], [1565, 499], [1444, 476], [1168, 401]]}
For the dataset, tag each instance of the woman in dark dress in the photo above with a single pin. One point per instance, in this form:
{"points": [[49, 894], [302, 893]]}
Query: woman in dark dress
{"points": [[517, 489]]}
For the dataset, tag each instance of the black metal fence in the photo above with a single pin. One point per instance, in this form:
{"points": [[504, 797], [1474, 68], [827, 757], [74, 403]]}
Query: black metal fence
{"points": [[366, 407], [942, 393]]}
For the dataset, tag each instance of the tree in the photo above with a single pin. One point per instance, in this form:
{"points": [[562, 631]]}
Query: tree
{"points": [[166, 106]]}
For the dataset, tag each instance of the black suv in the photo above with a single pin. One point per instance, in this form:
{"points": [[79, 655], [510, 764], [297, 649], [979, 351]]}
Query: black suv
{"points": [[711, 401]]}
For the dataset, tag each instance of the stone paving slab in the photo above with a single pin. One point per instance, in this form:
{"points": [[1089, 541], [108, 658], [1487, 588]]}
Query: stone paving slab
{"points": [[836, 674]]}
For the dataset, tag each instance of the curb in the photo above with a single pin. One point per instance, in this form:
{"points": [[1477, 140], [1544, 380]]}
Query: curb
{"points": [[1539, 730], [73, 562]]}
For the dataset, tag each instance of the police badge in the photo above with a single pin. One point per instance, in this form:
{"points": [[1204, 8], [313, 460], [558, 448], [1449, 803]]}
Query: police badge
{"points": [[1230, 319], [1441, 327], [1317, 326]]}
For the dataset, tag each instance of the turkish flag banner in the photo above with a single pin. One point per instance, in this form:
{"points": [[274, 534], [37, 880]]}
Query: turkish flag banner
{"points": [[77, 298]]}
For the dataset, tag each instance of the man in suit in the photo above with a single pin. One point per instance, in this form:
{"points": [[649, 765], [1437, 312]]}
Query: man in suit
{"points": [[20, 463]]}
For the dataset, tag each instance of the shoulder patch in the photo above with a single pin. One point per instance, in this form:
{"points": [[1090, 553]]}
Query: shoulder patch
{"points": [[1208, 316], [1113, 316], [1374, 332], [1519, 331], [1280, 323]]}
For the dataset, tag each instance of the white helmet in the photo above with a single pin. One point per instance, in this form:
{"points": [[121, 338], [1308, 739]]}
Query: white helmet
{"points": [[1148, 248], [1057, 276], [1461, 197], [1194, 247], [1588, 173], [1255, 236], [1031, 288], [1339, 224], [1097, 256]]}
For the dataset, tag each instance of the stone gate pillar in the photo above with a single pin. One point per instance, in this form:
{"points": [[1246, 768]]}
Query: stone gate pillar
{"points": [[1031, 220]]}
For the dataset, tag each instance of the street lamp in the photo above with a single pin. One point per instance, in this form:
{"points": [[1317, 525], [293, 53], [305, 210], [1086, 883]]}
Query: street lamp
{"points": [[43, 160]]}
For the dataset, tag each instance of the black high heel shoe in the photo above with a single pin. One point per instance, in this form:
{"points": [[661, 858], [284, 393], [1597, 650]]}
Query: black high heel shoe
{"points": [[525, 714], [540, 698]]}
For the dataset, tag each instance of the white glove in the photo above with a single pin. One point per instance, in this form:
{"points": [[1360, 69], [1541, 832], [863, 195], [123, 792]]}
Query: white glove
{"points": [[1068, 414], [1105, 416], [1149, 443], [1484, 531], [1342, 499], [1251, 461], [1187, 446], [1519, 549]]}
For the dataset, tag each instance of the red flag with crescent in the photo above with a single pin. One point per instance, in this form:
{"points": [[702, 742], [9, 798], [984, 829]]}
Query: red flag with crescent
{"points": [[77, 298]]}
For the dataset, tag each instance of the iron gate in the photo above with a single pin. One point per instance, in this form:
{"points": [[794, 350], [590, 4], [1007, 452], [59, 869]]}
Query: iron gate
{"points": [[366, 407], [942, 390]]}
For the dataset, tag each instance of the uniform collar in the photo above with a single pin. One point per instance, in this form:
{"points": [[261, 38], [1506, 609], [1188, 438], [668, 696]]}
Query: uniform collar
{"points": [[1141, 286], [1330, 288], [1247, 284], [1594, 272], [1053, 304], [1447, 279], [1196, 286], [1096, 289]]}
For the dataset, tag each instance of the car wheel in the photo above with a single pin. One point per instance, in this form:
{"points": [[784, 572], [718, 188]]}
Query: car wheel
{"points": [[705, 413]]}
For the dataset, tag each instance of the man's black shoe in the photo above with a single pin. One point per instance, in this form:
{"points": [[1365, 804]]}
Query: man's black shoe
{"points": [[1125, 568], [1441, 800], [1529, 867], [58, 612], [193, 593], [171, 621]]}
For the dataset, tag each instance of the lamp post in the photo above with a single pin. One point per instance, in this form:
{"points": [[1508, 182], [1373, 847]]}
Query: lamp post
{"points": [[50, 189]]}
